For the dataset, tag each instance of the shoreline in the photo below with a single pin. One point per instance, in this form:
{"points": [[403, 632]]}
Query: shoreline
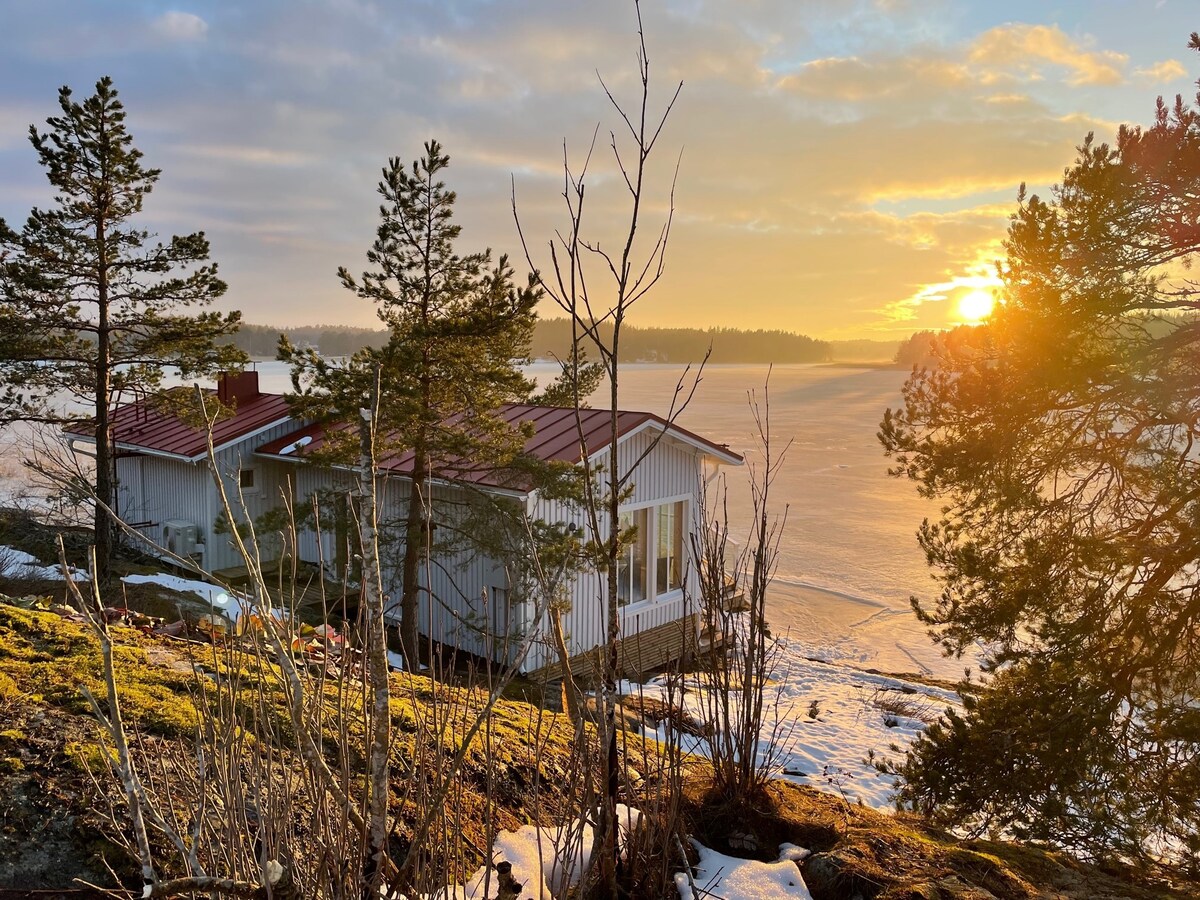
{"points": [[840, 628]]}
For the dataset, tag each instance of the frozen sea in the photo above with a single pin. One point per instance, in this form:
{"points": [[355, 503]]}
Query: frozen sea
{"points": [[849, 560]]}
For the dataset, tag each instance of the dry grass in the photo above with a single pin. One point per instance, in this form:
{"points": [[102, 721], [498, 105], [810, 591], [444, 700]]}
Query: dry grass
{"points": [[896, 704], [46, 660]]}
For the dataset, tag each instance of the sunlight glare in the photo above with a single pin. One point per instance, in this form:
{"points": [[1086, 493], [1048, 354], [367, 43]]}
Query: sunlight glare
{"points": [[976, 306]]}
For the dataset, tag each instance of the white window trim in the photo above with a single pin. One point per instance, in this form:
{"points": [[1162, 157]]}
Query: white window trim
{"points": [[652, 545], [249, 491]]}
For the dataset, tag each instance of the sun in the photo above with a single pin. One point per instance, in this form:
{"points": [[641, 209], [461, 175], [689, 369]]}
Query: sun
{"points": [[975, 306]]}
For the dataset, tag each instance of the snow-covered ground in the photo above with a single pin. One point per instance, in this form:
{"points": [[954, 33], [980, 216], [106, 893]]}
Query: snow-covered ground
{"points": [[19, 564], [718, 875], [230, 606], [822, 721], [549, 861]]}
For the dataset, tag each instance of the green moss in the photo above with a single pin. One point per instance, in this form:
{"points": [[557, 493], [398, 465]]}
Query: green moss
{"points": [[46, 659], [85, 757]]}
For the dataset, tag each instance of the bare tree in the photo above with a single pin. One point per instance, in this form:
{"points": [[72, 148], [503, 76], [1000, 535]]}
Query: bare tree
{"points": [[598, 309], [739, 733]]}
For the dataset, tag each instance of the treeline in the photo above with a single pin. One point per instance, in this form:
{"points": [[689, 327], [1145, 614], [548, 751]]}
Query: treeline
{"points": [[331, 340], [552, 338], [927, 349]]}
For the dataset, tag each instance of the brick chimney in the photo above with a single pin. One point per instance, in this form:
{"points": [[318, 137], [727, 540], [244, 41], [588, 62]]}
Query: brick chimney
{"points": [[233, 387]]}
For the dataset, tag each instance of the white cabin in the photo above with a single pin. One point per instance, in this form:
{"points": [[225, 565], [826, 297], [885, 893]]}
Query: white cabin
{"points": [[471, 599]]}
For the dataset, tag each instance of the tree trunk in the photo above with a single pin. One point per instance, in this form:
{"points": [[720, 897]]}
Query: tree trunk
{"points": [[571, 695], [415, 535], [377, 664], [611, 769], [105, 487]]}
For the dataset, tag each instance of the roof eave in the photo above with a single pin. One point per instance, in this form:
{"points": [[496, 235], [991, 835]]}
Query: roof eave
{"points": [[182, 457], [725, 456]]}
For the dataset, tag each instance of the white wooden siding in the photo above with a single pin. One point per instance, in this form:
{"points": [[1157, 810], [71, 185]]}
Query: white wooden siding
{"points": [[458, 605], [153, 490], [671, 471], [272, 480], [310, 480]]}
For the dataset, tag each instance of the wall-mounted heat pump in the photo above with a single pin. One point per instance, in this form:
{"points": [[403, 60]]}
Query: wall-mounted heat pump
{"points": [[180, 537]]}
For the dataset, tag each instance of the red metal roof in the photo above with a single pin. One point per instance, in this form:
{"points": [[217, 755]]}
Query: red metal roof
{"points": [[144, 426], [556, 437]]}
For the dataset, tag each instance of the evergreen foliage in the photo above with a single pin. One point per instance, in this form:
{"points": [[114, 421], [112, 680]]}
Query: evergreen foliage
{"points": [[1063, 445], [927, 348], [92, 308], [458, 331]]}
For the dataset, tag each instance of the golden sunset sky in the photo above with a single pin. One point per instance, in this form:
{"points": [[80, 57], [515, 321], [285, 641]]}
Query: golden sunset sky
{"points": [[847, 168]]}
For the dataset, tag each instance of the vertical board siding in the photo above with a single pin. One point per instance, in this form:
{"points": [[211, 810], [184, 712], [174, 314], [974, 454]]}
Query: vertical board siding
{"points": [[271, 481], [670, 470], [315, 542], [457, 605], [155, 490], [455, 602]]}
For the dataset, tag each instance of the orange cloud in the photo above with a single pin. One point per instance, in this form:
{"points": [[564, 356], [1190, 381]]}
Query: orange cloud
{"points": [[1025, 48], [1161, 72]]}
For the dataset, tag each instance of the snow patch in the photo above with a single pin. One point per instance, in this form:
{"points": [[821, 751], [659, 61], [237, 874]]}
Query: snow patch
{"points": [[231, 606], [718, 875], [16, 563], [822, 721], [295, 445], [548, 861]]}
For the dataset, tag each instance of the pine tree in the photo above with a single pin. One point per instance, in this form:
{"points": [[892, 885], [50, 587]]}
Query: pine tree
{"points": [[1063, 445], [459, 330], [91, 308]]}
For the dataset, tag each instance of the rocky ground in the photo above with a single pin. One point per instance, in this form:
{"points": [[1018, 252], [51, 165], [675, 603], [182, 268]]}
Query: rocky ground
{"points": [[62, 820], [63, 826]]}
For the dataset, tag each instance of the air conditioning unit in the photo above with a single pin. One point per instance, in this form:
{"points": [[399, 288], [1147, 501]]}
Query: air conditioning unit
{"points": [[180, 537]]}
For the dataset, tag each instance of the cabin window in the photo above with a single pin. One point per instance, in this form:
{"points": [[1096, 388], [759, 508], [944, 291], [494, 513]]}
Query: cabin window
{"points": [[246, 479], [632, 574], [669, 556]]}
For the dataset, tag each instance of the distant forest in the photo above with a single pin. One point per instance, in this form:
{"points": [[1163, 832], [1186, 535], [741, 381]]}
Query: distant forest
{"points": [[925, 349], [552, 337]]}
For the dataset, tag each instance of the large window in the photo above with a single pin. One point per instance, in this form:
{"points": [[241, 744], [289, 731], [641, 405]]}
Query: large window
{"points": [[670, 532], [652, 563], [632, 575]]}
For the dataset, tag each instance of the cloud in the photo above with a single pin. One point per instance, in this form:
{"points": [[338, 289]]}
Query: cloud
{"points": [[1161, 72], [856, 80], [259, 156], [838, 156], [1022, 49], [179, 26]]}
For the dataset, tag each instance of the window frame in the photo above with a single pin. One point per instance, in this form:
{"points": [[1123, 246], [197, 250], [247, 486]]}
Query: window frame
{"points": [[254, 487], [651, 510]]}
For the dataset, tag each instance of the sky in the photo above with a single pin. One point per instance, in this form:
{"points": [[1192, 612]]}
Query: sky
{"points": [[846, 168]]}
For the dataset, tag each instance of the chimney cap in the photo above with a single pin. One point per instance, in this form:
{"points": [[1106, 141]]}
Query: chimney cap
{"points": [[237, 386]]}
